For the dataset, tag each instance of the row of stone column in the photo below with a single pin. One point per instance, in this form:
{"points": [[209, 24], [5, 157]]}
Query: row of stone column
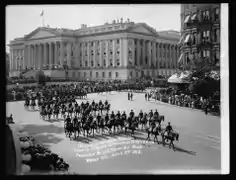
{"points": [[40, 55], [60, 53], [16, 59], [154, 52], [100, 59]]}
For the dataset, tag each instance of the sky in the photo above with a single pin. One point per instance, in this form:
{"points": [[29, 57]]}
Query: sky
{"points": [[23, 19]]}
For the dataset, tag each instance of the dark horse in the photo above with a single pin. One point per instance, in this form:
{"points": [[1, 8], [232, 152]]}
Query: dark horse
{"points": [[172, 136], [76, 128], [132, 124], [101, 125], [68, 129], [155, 130]]}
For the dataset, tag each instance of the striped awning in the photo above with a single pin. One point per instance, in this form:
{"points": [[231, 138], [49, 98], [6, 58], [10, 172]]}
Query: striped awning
{"points": [[180, 58], [187, 38], [187, 18], [194, 17]]}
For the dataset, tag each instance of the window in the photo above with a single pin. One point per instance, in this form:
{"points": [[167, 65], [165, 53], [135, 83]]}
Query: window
{"points": [[118, 52], [91, 43], [206, 15], [111, 53], [84, 74], [104, 62], [117, 62], [199, 15], [103, 74], [109, 74], [118, 41], [130, 73], [97, 75], [92, 63], [91, 74], [187, 58], [217, 35], [207, 53], [194, 38], [213, 35], [78, 74], [217, 14], [147, 73], [117, 74], [130, 52], [136, 74], [208, 36], [86, 63], [217, 58]]}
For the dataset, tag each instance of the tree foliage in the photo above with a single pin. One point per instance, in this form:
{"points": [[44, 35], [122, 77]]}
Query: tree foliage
{"points": [[40, 77], [202, 82]]}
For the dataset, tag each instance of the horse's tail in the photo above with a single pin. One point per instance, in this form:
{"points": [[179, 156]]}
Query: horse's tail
{"points": [[177, 137]]}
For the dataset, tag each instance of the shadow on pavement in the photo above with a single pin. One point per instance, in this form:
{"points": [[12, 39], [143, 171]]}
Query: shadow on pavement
{"points": [[47, 138], [34, 129], [185, 151], [179, 149]]}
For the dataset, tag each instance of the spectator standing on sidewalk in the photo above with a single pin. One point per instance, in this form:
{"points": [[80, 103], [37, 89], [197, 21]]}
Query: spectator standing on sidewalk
{"points": [[128, 96], [145, 96], [131, 96]]}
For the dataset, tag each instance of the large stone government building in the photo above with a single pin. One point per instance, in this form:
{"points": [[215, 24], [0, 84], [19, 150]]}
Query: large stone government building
{"points": [[200, 34], [119, 50]]}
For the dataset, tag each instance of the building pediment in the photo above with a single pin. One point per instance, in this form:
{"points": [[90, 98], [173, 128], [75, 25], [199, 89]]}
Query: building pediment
{"points": [[143, 29], [40, 33]]}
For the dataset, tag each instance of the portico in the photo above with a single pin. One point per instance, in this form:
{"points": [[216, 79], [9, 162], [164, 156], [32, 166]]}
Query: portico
{"points": [[126, 47]]}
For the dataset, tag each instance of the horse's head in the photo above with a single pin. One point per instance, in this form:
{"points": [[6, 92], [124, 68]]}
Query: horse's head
{"points": [[177, 137]]}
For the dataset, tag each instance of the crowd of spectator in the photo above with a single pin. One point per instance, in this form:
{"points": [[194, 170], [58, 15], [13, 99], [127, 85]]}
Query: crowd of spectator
{"points": [[185, 99]]}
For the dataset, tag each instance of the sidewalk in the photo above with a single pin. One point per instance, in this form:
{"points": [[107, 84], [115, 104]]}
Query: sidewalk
{"points": [[167, 104]]}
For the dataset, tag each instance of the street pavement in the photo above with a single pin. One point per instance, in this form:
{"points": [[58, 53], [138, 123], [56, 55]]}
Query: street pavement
{"points": [[197, 151]]}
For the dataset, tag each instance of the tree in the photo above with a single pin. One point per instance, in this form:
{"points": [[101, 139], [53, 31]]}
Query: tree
{"points": [[202, 82], [40, 77]]}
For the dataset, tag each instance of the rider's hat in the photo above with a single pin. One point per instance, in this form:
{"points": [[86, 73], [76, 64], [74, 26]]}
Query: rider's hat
{"points": [[168, 122]]}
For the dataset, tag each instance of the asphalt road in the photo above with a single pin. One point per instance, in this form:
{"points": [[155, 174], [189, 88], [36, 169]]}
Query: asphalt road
{"points": [[197, 151]]}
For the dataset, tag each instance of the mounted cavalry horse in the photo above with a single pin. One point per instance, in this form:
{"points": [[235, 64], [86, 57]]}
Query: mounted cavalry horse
{"points": [[155, 130], [172, 136], [131, 124]]}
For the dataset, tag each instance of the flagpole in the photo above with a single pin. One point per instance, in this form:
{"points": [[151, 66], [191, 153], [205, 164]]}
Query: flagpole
{"points": [[42, 19]]}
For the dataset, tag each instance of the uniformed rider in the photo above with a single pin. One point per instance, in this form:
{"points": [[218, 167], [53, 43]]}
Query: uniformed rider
{"points": [[131, 114]]}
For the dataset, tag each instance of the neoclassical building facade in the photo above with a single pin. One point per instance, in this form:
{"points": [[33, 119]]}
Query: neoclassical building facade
{"points": [[125, 50]]}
